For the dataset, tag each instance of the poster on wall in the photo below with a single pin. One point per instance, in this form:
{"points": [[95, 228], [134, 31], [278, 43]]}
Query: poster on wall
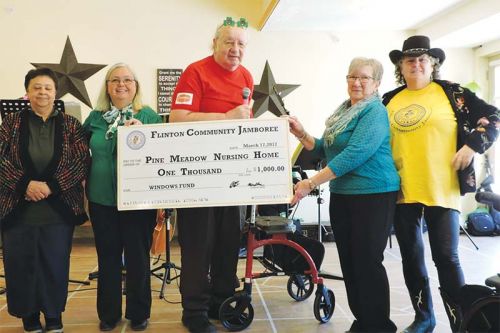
{"points": [[166, 82]]}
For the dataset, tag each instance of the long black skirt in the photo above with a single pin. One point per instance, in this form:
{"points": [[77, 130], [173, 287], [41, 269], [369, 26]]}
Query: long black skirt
{"points": [[36, 262]]}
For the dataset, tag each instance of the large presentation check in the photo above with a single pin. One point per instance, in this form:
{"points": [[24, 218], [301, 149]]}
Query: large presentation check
{"points": [[200, 164]]}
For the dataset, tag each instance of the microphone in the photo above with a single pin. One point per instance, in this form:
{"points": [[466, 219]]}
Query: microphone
{"points": [[245, 93], [489, 198]]}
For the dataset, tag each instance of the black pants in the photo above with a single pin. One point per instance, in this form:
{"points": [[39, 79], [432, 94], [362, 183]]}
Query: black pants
{"points": [[209, 239], [36, 261], [444, 229], [361, 226], [129, 233]]}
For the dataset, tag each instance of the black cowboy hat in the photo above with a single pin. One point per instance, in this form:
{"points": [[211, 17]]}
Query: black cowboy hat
{"points": [[415, 46]]}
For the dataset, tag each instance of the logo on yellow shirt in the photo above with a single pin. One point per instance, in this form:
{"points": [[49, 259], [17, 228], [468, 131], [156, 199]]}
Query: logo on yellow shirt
{"points": [[410, 118]]}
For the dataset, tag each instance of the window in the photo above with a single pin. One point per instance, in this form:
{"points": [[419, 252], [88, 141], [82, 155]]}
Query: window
{"points": [[495, 100], [495, 97]]}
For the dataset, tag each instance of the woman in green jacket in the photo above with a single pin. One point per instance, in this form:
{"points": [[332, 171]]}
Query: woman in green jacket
{"points": [[118, 232]]}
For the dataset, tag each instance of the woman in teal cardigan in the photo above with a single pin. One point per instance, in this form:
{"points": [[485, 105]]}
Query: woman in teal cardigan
{"points": [[117, 232], [363, 186]]}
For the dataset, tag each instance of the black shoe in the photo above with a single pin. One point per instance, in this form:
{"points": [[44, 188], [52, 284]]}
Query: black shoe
{"points": [[32, 324], [139, 325], [421, 325], [198, 324], [354, 327], [107, 326], [53, 325]]}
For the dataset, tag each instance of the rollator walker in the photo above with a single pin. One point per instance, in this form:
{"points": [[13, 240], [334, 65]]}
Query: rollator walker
{"points": [[236, 312]]}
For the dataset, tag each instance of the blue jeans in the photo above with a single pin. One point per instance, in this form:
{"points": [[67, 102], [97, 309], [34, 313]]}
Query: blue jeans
{"points": [[444, 229]]}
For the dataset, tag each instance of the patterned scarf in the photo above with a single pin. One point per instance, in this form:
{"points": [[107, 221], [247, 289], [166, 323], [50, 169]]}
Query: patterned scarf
{"points": [[342, 116], [115, 118]]}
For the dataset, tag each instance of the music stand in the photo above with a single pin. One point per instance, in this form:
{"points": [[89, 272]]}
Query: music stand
{"points": [[167, 266], [307, 160], [8, 106]]}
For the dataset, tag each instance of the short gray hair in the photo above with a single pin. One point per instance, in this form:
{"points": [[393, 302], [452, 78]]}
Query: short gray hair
{"points": [[378, 69], [218, 32]]}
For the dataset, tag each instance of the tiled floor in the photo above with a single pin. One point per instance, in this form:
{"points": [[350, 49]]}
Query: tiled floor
{"points": [[275, 311]]}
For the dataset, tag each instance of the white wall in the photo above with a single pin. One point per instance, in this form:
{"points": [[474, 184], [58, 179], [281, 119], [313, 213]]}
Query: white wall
{"points": [[169, 34], [146, 34]]}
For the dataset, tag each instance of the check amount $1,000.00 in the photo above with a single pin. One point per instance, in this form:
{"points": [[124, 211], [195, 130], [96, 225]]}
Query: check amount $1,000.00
{"points": [[269, 168]]}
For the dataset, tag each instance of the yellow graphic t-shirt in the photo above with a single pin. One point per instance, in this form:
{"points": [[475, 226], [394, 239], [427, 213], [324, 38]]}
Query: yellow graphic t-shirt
{"points": [[423, 142]]}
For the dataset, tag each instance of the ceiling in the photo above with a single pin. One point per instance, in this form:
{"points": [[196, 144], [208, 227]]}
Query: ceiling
{"points": [[450, 23]]}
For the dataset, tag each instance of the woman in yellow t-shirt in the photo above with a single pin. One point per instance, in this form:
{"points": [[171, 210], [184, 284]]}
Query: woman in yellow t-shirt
{"points": [[436, 128]]}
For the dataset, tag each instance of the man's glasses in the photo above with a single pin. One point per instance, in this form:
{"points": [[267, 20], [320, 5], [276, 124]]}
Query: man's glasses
{"points": [[229, 22], [126, 81], [362, 79]]}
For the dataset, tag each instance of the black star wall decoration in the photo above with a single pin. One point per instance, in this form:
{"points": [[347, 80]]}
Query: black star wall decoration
{"points": [[268, 95], [71, 74]]}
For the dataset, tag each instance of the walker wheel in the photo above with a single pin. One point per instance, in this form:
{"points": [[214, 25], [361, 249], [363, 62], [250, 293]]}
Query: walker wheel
{"points": [[324, 304], [300, 287], [236, 313]]}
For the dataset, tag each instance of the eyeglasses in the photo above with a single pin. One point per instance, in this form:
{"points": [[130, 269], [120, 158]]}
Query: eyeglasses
{"points": [[242, 23], [362, 79], [126, 81]]}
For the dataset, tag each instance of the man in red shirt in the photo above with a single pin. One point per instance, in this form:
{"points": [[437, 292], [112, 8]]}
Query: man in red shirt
{"points": [[211, 89]]}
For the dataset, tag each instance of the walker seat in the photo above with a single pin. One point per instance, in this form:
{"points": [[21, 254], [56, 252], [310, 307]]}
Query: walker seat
{"points": [[275, 225]]}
